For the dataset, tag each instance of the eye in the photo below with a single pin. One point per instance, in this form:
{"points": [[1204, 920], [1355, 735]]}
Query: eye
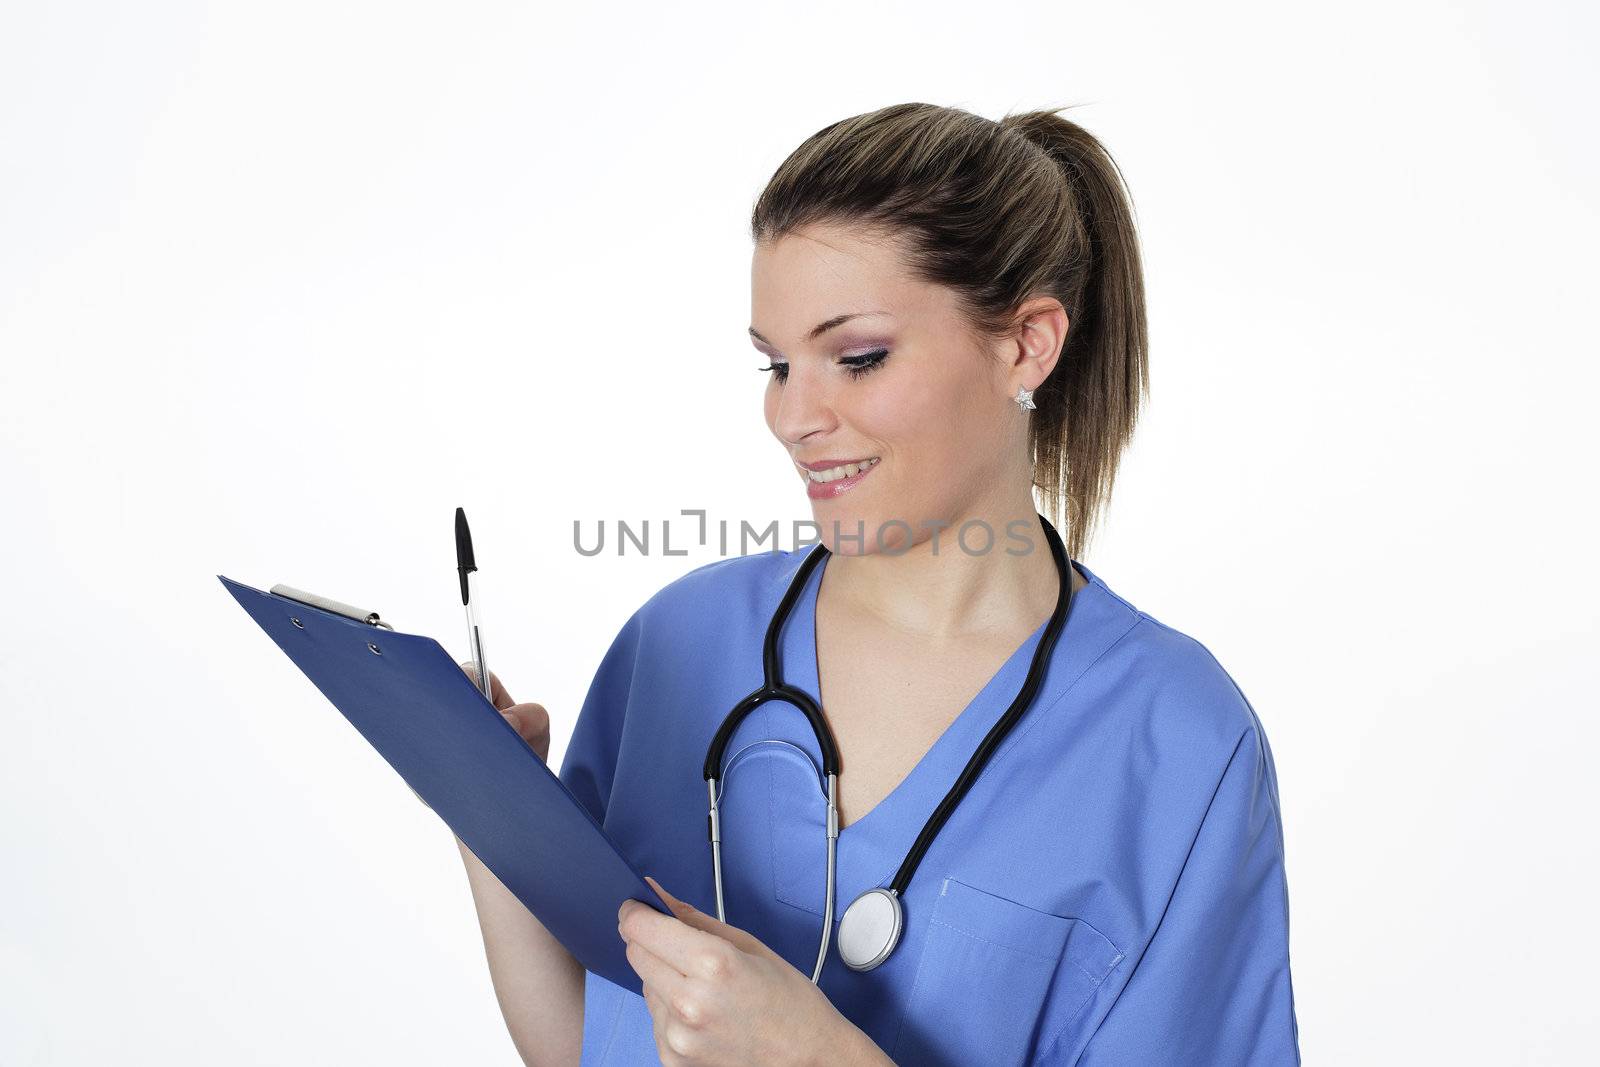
{"points": [[855, 366], [859, 366]]}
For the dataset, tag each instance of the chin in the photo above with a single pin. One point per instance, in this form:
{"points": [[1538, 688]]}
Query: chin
{"points": [[835, 521]]}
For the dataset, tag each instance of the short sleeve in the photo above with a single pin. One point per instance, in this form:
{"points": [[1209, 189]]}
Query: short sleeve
{"points": [[590, 762], [1213, 985]]}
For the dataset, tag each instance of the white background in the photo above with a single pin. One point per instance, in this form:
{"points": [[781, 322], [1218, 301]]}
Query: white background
{"points": [[281, 285]]}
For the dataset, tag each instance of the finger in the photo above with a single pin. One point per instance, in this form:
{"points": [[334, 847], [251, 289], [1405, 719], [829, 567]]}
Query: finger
{"points": [[688, 913], [679, 907], [498, 695], [528, 718], [659, 1014], [662, 979], [497, 690], [692, 951]]}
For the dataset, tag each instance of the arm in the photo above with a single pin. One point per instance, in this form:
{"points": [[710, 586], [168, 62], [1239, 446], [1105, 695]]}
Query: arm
{"points": [[853, 1049], [539, 985], [1212, 985], [536, 980]]}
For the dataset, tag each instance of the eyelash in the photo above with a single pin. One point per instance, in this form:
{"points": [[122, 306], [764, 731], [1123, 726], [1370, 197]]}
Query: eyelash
{"points": [[856, 366]]}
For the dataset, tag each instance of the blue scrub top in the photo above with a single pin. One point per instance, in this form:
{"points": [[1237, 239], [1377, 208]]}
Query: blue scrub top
{"points": [[1110, 891]]}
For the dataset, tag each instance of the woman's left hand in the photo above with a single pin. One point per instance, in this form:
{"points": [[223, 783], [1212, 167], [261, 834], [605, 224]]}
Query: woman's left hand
{"points": [[718, 996]]}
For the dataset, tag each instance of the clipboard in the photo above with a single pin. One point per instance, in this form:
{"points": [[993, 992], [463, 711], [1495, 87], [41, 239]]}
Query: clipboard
{"points": [[425, 716]]}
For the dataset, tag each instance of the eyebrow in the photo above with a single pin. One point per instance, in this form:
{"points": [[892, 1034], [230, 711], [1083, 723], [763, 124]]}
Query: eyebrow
{"points": [[823, 327]]}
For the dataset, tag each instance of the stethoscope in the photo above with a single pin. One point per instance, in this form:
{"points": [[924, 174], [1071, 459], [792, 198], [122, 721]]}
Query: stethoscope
{"points": [[872, 923]]}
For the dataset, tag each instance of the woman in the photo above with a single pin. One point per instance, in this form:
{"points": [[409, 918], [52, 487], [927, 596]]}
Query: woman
{"points": [[952, 313]]}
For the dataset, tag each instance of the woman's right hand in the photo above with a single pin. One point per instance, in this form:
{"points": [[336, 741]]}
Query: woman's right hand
{"points": [[531, 721]]}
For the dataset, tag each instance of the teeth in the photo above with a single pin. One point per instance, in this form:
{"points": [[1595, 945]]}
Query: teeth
{"points": [[833, 474]]}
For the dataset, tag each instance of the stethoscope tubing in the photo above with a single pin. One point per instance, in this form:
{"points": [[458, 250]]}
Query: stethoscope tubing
{"points": [[773, 688]]}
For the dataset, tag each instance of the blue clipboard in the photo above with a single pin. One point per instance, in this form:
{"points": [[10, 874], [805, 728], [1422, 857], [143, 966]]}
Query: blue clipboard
{"points": [[421, 711]]}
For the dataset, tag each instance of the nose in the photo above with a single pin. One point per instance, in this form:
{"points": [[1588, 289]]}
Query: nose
{"points": [[803, 406]]}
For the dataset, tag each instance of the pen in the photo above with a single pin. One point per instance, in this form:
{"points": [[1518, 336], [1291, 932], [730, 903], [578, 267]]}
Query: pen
{"points": [[467, 566]]}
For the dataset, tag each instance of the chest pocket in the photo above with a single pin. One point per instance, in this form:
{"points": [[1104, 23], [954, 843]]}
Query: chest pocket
{"points": [[983, 991]]}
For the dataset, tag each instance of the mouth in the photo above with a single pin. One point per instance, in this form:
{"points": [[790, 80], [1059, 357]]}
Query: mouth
{"points": [[836, 469], [824, 483]]}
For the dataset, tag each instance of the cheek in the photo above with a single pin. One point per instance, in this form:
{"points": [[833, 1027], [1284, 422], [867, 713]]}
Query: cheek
{"points": [[923, 421], [948, 438], [896, 410]]}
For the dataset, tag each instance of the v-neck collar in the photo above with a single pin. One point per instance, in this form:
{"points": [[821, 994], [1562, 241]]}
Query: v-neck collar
{"points": [[939, 767], [872, 847]]}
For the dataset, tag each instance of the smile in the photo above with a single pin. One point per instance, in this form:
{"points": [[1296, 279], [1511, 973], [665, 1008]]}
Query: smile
{"points": [[833, 474]]}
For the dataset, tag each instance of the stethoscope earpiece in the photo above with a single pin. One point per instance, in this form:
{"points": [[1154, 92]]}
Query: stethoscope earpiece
{"points": [[870, 929]]}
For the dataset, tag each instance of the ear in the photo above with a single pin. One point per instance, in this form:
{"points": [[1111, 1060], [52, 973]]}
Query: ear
{"points": [[1035, 347]]}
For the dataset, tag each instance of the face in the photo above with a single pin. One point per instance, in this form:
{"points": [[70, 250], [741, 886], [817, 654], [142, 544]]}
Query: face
{"points": [[887, 406]]}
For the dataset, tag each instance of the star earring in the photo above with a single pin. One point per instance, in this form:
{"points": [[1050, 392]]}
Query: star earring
{"points": [[1024, 399]]}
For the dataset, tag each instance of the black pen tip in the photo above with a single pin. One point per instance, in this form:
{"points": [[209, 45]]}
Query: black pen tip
{"points": [[464, 542], [465, 563]]}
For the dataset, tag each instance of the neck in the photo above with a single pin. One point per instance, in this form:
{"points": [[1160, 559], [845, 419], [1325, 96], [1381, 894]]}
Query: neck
{"points": [[937, 589]]}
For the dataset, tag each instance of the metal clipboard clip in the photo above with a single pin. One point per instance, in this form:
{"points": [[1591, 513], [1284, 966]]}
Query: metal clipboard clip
{"points": [[349, 611]]}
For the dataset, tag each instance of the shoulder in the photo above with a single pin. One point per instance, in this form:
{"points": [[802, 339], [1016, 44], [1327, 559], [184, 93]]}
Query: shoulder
{"points": [[732, 586], [702, 608], [1175, 686]]}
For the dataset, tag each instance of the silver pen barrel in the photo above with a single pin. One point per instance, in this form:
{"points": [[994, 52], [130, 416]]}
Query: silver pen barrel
{"points": [[475, 636]]}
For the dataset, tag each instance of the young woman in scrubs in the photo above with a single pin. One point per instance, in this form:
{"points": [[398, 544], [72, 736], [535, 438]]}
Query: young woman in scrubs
{"points": [[951, 313]]}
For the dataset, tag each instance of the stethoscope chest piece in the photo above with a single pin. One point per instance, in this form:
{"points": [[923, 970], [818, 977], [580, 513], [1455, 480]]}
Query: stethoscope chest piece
{"points": [[870, 929]]}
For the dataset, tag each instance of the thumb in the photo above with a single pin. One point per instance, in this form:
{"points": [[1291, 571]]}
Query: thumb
{"points": [[690, 915], [680, 908]]}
